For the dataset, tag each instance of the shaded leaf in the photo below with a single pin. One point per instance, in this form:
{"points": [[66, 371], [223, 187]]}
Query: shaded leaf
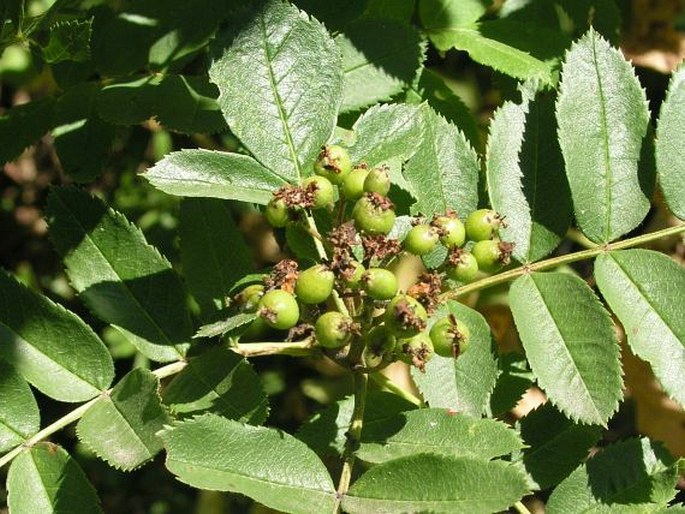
{"points": [[121, 278], [19, 415], [188, 104], [570, 343], [22, 125], [280, 83], [240, 458], [69, 41], [51, 347], [209, 173], [129, 101], [440, 15], [601, 101], [645, 290], [330, 14], [120, 427]]}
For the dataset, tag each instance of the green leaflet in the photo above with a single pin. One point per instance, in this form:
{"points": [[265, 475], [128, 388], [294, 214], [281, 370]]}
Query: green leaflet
{"points": [[45, 479], [436, 483], [526, 181], [603, 118], [444, 170], [380, 58], [22, 125], [465, 384], [670, 141], [645, 290], [280, 81], [268, 465], [556, 445], [570, 343], [213, 251], [385, 132], [208, 173], [120, 427], [221, 382], [128, 101], [51, 347], [219, 328], [69, 41], [19, 415], [121, 278], [436, 431], [443, 15], [618, 479]]}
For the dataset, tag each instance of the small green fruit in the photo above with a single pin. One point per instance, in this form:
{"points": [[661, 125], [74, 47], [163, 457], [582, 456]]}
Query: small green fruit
{"points": [[405, 316], [462, 266], [333, 163], [492, 254], [483, 224], [450, 337], [332, 330], [421, 240], [451, 229], [379, 283], [279, 309], [315, 284], [353, 184], [249, 298], [322, 191], [354, 279], [377, 181], [373, 214], [276, 213]]}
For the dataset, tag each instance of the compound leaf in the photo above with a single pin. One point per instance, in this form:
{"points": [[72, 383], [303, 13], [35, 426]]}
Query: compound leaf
{"points": [[241, 458], [601, 101], [121, 278], [645, 290], [209, 173], [120, 427], [279, 76], [51, 347]]}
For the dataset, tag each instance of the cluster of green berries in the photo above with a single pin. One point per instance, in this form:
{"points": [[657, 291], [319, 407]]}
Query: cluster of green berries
{"points": [[379, 323]]}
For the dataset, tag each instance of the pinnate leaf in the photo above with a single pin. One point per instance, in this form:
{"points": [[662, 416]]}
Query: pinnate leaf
{"points": [[19, 415], [120, 427], [463, 384], [44, 478], [670, 144], [645, 290], [208, 173], [51, 347], [621, 478], [121, 278], [268, 465], [570, 343], [221, 382], [603, 118], [436, 483], [280, 83], [526, 181]]}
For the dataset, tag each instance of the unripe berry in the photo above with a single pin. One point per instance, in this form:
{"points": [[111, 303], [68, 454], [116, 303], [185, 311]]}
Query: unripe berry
{"points": [[276, 213], [450, 337], [421, 240], [353, 184], [249, 298], [492, 254], [378, 344], [322, 191], [353, 279], [373, 214], [333, 163], [451, 229], [462, 266], [405, 316], [416, 350], [333, 330], [379, 283], [483, 224], [377, 181], [279, 309], [315, 284]]}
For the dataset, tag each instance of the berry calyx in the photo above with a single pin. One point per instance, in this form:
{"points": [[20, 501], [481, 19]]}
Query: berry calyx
{"points": [[450, 337], [333, 163], [483, 224], [416, 350], [315, 284], [333, 329], [421, 239], [373, 214], [279, 309], [405, 316], [379, 283], [353, 184], [378, 181], [492, 254], [276, 213], [461, 265], [451, 229], [321, 189]]}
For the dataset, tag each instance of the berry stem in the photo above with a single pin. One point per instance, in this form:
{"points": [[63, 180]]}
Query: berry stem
{"points": [[521, 508], [78, 412], [558, 261]]}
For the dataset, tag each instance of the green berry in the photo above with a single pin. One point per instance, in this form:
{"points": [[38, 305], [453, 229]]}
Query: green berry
{"points": [[276, 213], [451, 229], [421, 240], [332, 330], [378, 181], [249, 298], [450, 337], [353, 184], [279, 309], [379, 341], [405, 316], [492, 254], [322, 190], [255, 331], [373, 214], [353, 280], [416, 350], [462, 266], [315, 284], [333, 163], [483, 224], [379, 283]]}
